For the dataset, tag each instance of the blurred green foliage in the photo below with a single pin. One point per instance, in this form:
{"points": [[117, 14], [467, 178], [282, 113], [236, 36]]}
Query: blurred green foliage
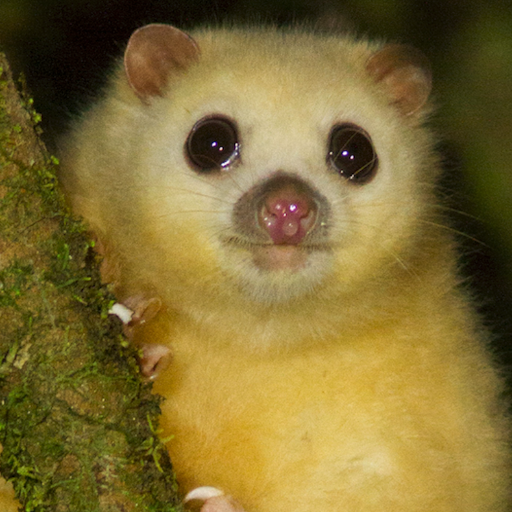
{"points": [[65, 46]]}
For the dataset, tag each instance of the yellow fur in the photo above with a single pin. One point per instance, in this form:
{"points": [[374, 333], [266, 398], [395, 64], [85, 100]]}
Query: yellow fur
{"points": [[359, 383]]}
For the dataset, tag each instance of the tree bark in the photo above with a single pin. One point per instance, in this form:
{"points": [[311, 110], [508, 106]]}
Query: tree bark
{"points": [[77, 424]]}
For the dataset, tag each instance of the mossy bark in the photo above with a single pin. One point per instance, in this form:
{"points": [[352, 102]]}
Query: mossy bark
{"points": [[77, 424]]}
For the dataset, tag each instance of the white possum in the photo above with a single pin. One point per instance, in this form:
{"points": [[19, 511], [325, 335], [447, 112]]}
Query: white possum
{"points": [[265, 202]]}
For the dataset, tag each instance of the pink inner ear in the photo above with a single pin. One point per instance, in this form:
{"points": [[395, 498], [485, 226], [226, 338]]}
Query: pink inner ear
{"points": [[153, 53], [406, 74]]}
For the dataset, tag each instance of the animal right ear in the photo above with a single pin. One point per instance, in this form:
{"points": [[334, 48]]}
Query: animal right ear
{"points": [[405, 73], [153, 53]]}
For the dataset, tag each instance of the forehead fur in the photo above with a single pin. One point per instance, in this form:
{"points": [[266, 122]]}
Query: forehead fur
{"points": [[272, 57], [290, 46]]}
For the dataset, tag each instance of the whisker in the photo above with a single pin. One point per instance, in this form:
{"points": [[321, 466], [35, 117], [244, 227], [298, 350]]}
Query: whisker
{"points": [[180, 212], [190, 192], [462, 213], [455, 231], [392, 253], [232, 177], [209, 181]]}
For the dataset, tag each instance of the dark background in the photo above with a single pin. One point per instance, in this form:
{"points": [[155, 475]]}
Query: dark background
{"points": [[64, 48]]}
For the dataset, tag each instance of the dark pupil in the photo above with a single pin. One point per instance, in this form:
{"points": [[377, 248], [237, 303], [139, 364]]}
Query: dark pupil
{"points": [[212, 144], [351, 152]]}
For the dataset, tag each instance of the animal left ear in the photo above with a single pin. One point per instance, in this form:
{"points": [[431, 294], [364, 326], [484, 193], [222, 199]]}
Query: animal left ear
{"points": [[406, 74], [153, 53]]}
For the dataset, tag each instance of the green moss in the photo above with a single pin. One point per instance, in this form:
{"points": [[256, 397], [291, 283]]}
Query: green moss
{"points": [[14, 280], [78, 427]]}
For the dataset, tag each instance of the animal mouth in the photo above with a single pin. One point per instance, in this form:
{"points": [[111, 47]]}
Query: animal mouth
{"points": [[276, 257], [280, 257]]}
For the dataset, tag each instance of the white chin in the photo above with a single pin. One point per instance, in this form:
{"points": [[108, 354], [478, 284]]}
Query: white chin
{"points": [[280, 257], [277, 274]]}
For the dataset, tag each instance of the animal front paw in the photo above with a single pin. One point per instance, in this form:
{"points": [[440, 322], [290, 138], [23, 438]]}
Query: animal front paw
{"points": [[154, 358], [214, 500], [134, 312]]}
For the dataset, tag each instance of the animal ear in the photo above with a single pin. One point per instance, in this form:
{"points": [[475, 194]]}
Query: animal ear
{"points": [[405, 73], [153, 53]]}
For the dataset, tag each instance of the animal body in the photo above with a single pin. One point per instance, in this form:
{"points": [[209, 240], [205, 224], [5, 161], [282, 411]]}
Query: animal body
{"points": [[273, 193]]}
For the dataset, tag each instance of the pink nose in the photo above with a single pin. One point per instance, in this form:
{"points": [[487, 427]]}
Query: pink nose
{"points": [[287, 214]]}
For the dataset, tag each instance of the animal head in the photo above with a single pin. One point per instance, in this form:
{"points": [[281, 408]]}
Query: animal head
{"points": [[256, 167]]}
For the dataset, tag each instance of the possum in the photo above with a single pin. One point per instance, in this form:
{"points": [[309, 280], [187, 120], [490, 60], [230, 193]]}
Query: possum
{"points": [[265, 201]]}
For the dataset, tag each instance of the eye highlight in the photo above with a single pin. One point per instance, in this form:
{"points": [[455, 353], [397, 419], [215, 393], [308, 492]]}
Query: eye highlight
{"points": [[212, 144], [351, 153]]}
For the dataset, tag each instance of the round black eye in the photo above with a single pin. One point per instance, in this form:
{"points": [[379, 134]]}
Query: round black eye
{"points": [[351, 153], [213, 144]]}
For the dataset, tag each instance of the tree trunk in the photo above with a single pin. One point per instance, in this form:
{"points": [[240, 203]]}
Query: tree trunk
{"points": [[77, 424]]}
